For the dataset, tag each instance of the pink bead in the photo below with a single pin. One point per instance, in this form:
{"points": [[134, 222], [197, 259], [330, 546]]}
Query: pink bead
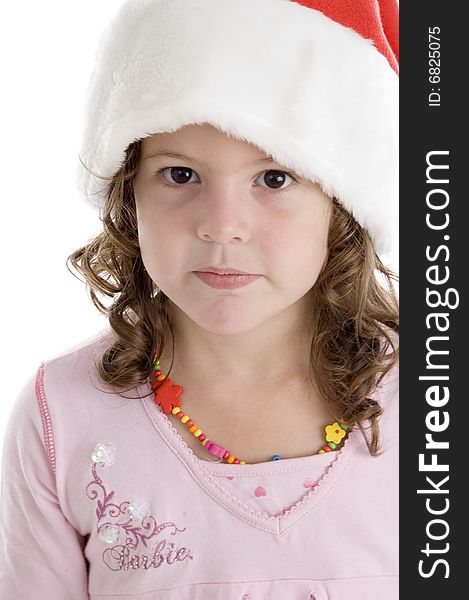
{"points": [[215, 449], [227, 453]]}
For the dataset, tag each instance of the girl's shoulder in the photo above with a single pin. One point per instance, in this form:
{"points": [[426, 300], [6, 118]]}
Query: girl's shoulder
{"points": [[62, 374], [387, 395], [67, 388], [389, 384], [75, 366], [58, 401], [387, 390]]}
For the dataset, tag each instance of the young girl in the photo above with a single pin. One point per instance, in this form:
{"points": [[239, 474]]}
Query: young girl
{"points": [[233, 434]]}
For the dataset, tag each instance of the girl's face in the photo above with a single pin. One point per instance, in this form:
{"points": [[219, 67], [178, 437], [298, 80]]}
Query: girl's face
{"points": [[211, 200]]}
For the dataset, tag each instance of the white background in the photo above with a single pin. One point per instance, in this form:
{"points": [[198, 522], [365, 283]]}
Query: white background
{"points": [[47, 52]]}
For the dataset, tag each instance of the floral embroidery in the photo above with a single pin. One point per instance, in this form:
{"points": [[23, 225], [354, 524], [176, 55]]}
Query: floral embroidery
{"points": [[334, 433], [105, 454], [109, 534], [129, 523], [138, 511]]}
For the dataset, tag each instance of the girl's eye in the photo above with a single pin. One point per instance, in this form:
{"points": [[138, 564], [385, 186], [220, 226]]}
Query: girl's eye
{"points": [[177, 176], [275, 179]]}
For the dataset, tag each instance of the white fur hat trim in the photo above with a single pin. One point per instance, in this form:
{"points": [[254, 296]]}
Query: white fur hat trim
{"points": [[315, 95]]}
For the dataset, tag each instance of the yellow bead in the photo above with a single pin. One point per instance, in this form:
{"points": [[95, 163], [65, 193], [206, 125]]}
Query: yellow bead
{"points": [[161, 377], [230, 458], [321, 452], [192, 428], [204, 442], [176, 410], [185, 418], [197, 432], [242, 462]]}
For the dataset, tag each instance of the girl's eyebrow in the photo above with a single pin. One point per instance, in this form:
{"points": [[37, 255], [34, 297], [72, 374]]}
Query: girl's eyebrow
{"points": [[169, 153]]}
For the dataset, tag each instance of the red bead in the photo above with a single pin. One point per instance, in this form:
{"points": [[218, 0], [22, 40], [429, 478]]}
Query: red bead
{"points": [[326, 449], [167, 395], [202, 437], [227, 453], [189, 423], [236, 461], [180, 414]]}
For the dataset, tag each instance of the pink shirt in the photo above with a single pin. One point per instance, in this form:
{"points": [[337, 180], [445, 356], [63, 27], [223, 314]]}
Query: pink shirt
{"points": [[101, 498]]}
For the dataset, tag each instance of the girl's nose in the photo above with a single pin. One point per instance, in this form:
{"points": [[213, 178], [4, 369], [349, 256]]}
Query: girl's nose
{"points": [[224, 216]]}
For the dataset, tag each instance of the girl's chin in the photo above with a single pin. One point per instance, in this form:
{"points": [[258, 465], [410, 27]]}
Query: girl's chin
{"points": [[225, 313], [227, 325], [230, 321]]}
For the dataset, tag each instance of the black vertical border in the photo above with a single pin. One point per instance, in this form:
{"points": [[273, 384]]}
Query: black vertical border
{"points": [[423, 129]]}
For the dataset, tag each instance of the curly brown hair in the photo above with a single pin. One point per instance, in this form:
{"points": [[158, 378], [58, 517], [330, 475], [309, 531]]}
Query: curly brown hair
{"points": [[354, 323]]}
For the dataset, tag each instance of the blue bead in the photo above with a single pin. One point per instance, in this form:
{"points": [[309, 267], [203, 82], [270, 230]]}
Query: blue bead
{"points": [[276, 457]]}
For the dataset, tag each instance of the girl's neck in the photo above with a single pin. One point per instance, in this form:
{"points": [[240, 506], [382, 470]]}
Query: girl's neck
{"points": [[272, 353], [252, 391]]}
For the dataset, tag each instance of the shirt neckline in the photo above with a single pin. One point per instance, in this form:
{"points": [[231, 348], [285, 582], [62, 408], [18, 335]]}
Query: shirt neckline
{"points": [[203, 472]]}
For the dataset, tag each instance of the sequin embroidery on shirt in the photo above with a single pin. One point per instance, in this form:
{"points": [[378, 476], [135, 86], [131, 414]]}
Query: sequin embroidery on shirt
{"points": [[127, 525]]}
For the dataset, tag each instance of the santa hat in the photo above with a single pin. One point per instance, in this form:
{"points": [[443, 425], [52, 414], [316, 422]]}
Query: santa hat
{"points": [[313, 83]]}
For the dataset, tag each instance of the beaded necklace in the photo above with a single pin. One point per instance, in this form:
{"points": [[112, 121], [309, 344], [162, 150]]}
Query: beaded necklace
{"points": [[167, 397]]}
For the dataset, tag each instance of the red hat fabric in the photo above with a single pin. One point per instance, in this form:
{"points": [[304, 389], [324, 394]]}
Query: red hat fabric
{"points": [[377, 21]]}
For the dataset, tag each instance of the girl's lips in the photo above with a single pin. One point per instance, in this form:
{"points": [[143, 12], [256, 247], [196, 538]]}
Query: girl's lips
{"points": [[226, 282]]}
